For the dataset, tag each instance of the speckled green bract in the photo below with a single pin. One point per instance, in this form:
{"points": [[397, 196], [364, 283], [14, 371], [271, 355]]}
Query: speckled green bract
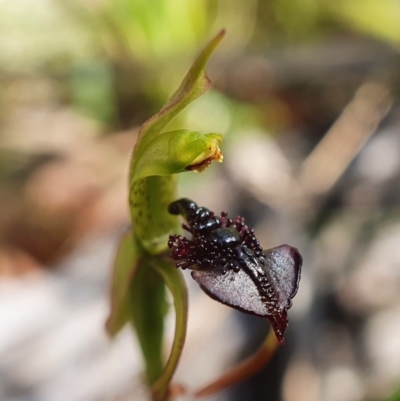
{"points": [[149, 199]]}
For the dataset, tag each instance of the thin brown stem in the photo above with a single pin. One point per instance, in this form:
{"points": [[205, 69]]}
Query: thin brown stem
{"points": [[244, 369]]}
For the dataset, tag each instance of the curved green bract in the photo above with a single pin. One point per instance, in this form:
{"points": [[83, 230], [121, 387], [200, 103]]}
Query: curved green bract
{"points": [[163, 154]]}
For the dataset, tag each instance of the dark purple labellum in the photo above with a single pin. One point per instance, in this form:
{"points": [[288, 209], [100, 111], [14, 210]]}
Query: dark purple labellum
{"points": [[231, 267]]}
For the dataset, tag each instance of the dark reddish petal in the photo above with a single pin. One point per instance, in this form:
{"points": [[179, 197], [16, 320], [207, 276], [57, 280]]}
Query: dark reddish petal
{"points": [[239, 290], [231, 267], [283, 270], [279, 322], [234, 289]]}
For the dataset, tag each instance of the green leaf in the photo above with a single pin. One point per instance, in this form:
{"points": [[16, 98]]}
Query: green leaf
{"points": [[395, 396], [148, 308], [125, 267], [176, 284]]}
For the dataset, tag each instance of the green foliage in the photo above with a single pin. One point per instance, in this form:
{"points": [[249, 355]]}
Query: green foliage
{"points": [[154, 29], [93, 91], [141, 272], [377, 18], [395, 396]]}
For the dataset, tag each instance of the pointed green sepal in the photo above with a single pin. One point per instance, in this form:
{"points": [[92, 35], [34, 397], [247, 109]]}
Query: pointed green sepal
{"points": [[193, 86]]}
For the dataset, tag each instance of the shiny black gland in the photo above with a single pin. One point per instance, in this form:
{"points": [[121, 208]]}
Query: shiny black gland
{"points": [[184, 207], [225, 237], [227, 241], [201, 220]]}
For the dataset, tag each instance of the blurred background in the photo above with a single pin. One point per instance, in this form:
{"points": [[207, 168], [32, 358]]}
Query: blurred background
{"points": [[306, 93]]}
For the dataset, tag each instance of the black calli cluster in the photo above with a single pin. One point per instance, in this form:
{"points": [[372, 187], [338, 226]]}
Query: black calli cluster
{"points": [[230, 265]]}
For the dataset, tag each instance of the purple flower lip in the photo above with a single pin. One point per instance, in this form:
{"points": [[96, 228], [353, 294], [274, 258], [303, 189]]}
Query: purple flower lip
{"points": [[230, 265]]}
